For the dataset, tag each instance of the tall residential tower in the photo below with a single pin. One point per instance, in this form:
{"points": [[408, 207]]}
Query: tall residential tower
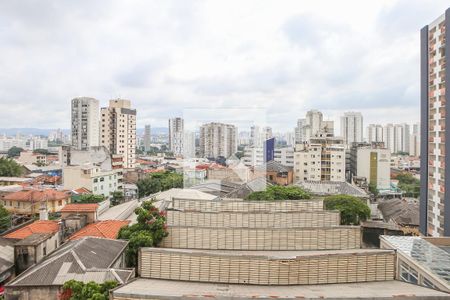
{"points": [[352, 127], [435, 120], [85, 123], [176, 136], [118, 130]]}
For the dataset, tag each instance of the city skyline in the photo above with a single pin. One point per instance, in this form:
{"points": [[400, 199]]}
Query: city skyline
{"points": [[298, 58]]}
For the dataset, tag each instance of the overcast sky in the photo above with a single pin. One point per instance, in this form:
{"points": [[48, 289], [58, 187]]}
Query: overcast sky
{"points": [[282, 57]]}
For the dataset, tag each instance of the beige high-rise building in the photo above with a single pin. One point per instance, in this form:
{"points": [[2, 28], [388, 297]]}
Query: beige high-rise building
{"points": [[85, 123], [176, 136], [217, 139], [118, 130]]}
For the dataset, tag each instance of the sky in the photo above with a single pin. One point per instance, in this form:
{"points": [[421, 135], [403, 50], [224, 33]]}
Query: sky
{"points": [[280, 58]]}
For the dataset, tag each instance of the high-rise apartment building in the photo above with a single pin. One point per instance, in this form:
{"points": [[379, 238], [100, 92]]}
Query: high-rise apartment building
{"points": [[374, 133], [189, 144], [414, 140], [147, 138], [352, 127], [321, 159], [217, 139], [312, 126], [118, 130], [85, 123], [435, 120], [300, 134], [176, 136]]}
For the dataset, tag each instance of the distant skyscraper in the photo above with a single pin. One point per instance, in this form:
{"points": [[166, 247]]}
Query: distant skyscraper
{"points": [[85, 123], [147, 138], [189, 144], [435, 122], [414, 141], [300, 134], [374, 133], [118, 130], [352, 127], [217, 139], [176, 135]]}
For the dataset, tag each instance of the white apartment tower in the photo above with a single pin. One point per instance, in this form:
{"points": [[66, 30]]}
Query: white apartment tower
{"points": [[147, 138], [118, 130], [176, 136], [352, 127], [85, 123], [374, 133], [217, 139]]}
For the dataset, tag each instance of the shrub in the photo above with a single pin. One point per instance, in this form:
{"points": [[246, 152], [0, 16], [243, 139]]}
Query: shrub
{"points": [[275, 192]]}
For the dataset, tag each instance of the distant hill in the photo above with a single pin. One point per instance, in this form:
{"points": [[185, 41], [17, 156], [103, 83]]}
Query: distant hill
{"points": [[29, 131], [44, 131]]}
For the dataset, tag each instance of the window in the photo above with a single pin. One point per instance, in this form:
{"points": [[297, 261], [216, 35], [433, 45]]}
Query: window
{"points": [[44, 250], [59, 202], [408, 274]]}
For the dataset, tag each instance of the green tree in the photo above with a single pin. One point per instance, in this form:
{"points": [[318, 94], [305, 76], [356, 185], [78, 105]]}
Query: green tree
{"points": [[5, 219], [90, 198], [353, 210], [41, 151], [14, 151], [9, 168], [408, 184], [117, 198], [157, 182], [149, 231], [373, 189], [275, 192], [78, 290]]}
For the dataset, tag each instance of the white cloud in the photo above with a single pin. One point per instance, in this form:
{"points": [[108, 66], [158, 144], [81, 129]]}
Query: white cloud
{"points": [[285, 56]]}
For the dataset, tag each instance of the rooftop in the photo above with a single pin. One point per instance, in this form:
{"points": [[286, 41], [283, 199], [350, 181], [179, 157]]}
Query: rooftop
{"points": [[323, 188], [37, 195], [424, 253], [41, 226], [105, 229], [183, 194], [400, 211], [86, 259], [167, 289], [80, 207]]}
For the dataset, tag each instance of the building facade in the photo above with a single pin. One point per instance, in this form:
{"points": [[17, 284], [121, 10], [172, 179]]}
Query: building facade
{"points": [[435, 118], [85, 123], [374, 133], [118, 130], [352, 127], [176, 136], [322, 159], [217, 139], [375, 165], [147, 138]]}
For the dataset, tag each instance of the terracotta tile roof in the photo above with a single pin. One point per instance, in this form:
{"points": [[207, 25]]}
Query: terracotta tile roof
{"points": [[82, 190], [37, 195], [40, 226], [105, 229], [80, 207]]}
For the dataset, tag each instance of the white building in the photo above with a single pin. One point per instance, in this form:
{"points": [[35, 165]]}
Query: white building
{"points": [[352, 127], [313, 125], [375, 166], [189, 144], [217, 139], [414, 141], [85, 123], [118, 130], [93, 178], [147, 138], [321, 159], [300, 134], [176, 135], [374, 133]]}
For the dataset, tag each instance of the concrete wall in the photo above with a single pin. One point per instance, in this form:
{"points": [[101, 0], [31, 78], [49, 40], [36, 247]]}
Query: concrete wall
{"points": [[32, 293]]}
